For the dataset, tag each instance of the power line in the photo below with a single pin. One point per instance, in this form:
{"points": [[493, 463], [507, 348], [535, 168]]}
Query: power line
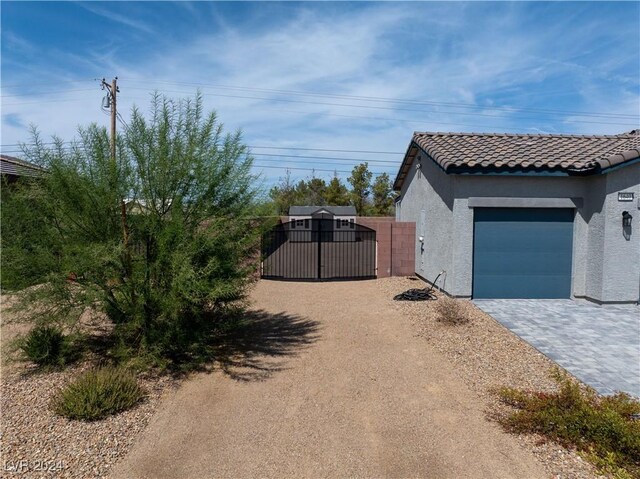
{"points": [[327, 149], [382, 107], [10, 85], [47, 92], [260, 157], [367, 118], [268, 148], [344, 105], [314, 169], [394, 100], [321, 157]]}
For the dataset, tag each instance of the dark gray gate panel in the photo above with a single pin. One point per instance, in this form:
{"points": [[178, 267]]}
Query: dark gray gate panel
{"points": [[321, 249], [522, 252]]}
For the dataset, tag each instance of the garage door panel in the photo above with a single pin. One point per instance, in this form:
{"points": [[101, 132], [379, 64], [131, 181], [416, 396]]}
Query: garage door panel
{"points": [[543, 286], [511, 263], [522, 253]]}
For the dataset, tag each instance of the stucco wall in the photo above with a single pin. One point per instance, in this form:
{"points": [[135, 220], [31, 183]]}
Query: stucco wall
{"points": [[621, 265], [605, 266], [431, 190]]}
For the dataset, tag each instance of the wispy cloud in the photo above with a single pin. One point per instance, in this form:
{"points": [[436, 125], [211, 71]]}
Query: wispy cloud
{"points": [[117, 17], [524, 56]]}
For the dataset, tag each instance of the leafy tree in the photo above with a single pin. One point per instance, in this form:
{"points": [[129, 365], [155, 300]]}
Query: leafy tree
{"points": [[383, 196], [360, 181], [336, 193], [157, 238]]}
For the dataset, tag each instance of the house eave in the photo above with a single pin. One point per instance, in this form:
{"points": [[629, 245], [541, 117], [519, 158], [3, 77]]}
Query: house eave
{"points": [[598, 167]]}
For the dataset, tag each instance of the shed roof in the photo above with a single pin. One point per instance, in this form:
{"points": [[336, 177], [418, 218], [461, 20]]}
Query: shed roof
{"points": [[12, 166], [309, 210], [579, 154]]}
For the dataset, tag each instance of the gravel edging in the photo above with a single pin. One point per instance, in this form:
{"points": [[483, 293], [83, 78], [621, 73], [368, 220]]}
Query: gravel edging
{"points": [[35, 442], [487, 355], [38, 443]]}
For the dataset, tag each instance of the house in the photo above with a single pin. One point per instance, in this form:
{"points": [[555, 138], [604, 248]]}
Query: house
{"points": [[12, 169], [525, 216]]}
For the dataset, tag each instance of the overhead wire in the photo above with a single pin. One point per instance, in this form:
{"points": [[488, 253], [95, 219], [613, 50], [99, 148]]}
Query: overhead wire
{"points": [[272, 148], [259, 157], [348, 105], [389, 100]]}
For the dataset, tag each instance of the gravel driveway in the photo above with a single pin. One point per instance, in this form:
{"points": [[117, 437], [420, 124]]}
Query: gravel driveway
{"points": [[338, 385]]}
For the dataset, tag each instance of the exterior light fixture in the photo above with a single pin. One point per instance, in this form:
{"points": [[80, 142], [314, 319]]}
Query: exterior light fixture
{"points": [[626, 219]]}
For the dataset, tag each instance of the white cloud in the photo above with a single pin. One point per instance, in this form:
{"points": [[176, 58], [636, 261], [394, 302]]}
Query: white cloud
{"points": [[455, 53]]}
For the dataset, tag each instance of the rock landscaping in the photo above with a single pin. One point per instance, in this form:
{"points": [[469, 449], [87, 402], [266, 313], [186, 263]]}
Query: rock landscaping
{"points": [[489, 356], [37, 443]]}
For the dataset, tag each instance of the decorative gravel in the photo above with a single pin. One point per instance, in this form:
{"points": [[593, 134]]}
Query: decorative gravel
{"points": [[487, 356], [35, 443]]}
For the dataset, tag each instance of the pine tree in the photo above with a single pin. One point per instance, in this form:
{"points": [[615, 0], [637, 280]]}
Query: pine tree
{"points": [[336, 193]]}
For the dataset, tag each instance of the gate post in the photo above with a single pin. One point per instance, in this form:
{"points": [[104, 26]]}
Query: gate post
{"points": [[319, 223]]}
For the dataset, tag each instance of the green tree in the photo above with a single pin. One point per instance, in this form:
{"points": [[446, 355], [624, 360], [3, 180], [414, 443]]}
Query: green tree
{"points": [[316, 191], [159, 238], [360, 181], [284, 195], [383, 196], [336, 193]]}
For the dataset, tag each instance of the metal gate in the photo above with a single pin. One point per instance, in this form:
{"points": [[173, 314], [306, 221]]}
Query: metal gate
{"points": [[319, 249]]}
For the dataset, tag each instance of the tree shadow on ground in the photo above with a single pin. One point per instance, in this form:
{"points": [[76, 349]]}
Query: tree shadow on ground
{"points": [[258, 343]]}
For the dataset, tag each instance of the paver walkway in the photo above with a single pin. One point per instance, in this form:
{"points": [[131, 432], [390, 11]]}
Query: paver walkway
{"points": [[600, 345], [338, 385]]}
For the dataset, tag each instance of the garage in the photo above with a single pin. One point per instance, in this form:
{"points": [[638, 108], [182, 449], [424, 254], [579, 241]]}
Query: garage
{"points": [[522, 252]]}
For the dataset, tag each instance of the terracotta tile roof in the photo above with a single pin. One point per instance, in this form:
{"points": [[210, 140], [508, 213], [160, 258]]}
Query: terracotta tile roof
{"points": [[507, 152]]}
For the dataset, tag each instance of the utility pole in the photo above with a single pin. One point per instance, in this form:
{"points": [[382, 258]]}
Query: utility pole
{"points": [[112, 91]]}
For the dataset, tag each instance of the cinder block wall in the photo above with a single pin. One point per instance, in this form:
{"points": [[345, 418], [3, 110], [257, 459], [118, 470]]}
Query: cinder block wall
{"points": [[396, 245]]}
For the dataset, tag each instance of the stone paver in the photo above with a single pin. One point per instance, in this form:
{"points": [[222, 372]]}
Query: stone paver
{"points": [[600, 345]]}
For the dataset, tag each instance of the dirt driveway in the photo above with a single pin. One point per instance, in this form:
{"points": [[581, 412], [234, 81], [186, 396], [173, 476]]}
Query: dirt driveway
{"points": [[337, 385]]}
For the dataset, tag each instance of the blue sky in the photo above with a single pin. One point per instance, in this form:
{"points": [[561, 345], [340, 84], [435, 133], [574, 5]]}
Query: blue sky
{"points": [[300, 78]]}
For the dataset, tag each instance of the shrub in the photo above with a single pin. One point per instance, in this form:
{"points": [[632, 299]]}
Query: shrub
{"points": [[603, 428], [44, 345], [97, 394], [161, 237], [451, 311]]}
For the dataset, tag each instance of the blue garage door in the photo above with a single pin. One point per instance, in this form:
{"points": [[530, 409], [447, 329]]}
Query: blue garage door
{"points": [[522, 252]]}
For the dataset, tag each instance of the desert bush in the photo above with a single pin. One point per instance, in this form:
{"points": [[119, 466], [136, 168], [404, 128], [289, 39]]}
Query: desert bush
{"points": [[604, 429], [28, 245], [158, 238], [97, 394], [451, 311], [45, 345]]}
